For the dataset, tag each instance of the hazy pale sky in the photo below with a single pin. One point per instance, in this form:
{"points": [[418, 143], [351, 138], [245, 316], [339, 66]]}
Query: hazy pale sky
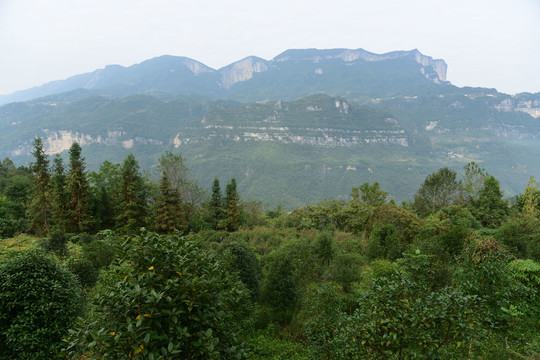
{"points": [[487, 43]]}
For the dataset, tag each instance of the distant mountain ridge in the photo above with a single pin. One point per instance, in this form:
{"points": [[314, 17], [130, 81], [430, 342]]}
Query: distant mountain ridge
{"points": [[174, 75], [303, 127]]}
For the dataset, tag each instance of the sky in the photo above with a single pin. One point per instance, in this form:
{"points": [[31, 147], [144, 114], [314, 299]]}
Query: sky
{"points": [[486, 43]]}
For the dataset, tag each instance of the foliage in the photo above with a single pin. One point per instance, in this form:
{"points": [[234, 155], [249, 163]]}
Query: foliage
{"points": [[132, 209], [39, 301], [177, 302], [484, 272], [345, 270], [266, 346], [100, 253], [472, 182], [399, 318], [384, 243], [79, 218], [238, 258], [320, 319], [59, 196], [324, 247], [84, 270], [168, 208], [490, 208], [232, 208], [40, 206], [56, 243], [438, 190], [282, 286]]}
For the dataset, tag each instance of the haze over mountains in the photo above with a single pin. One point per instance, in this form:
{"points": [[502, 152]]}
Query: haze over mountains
{"points": [[303, 127]]}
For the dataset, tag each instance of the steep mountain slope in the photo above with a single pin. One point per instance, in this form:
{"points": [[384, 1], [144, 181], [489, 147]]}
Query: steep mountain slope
{"points": [[290, 75], [305, 126], [301, 151]]}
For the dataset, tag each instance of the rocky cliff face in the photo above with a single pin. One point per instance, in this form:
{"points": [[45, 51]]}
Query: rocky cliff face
{"points": [[242, 70], [527, 103], [429, 65]]}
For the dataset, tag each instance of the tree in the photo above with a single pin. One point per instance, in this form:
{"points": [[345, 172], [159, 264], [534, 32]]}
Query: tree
{"points": [[39, 301], [191, 195], [77, 187], [59, 198], [473, 182], [105, 187], [399, 317], [168, 208], [216, 212], [490, 208], [177, 303], [531, 197], [282, 284], [231, 222], [132, 210], [40, 206], [370, 194], [439, 189]]}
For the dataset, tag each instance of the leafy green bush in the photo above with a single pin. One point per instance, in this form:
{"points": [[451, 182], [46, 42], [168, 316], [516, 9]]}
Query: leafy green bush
{"points": [[176, 302], [346, 270], [39, 301], [240, 259], [100, 253], [84, 270], [265, 346], [56, 243], [399, 318]]}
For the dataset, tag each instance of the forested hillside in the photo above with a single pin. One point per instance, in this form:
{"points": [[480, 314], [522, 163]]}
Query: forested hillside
{"points": [[333, 118], [119, 263]]}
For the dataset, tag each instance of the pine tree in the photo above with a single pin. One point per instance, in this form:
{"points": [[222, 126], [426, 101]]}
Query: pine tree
{"points": [[490, 207], [215, 206], [168, 208], [79, 219], [132, 208], [40, 206], [231, 221], [60, 204]]}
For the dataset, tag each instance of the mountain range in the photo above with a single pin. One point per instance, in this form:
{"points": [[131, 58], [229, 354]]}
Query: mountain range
{"points": [[305, 126]]}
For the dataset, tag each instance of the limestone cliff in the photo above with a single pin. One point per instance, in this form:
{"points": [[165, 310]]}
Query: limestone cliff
{"points": [[242, 70]]}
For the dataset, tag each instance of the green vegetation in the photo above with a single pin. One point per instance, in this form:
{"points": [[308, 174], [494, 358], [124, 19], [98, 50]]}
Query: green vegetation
{"points": [[178, 273]]}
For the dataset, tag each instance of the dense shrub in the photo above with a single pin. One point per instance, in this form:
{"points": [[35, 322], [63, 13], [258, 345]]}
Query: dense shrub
{"points": [[100, 253], [177, 302], [38, 302], [56, 243], [84, 270], [240, 259]]}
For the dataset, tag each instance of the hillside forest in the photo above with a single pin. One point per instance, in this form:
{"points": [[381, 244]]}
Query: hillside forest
{"points": [[121, 263]]}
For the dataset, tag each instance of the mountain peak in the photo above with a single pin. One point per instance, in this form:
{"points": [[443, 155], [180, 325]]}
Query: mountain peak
{"points": [[242, 70]]}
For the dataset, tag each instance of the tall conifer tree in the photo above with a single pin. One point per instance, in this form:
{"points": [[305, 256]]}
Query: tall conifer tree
{"points": [[168, 208], [215, 207], [132, 208], [232, 207], [77, 188], [60, 199], [40, 206]]}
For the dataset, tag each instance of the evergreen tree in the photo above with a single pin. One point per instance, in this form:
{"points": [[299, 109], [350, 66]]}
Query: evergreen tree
{"points": [[132, 209], [215, 206], [231, 222], [168, 208], [490, 207], [79, 219], [106, 189], [40, 206], [60, 204]]}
